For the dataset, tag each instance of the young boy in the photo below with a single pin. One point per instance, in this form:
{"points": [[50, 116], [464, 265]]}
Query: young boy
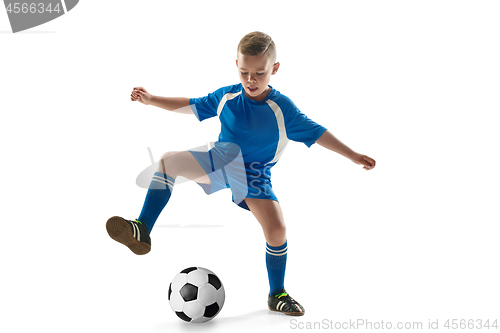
{"points": [[256, 124]]}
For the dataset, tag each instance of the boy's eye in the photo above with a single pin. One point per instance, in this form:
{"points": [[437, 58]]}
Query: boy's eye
{"points": [[245, 73]]}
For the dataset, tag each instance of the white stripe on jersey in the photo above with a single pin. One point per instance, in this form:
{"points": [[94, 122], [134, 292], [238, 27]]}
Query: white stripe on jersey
{"points": [[283, 140], [227, 97]]}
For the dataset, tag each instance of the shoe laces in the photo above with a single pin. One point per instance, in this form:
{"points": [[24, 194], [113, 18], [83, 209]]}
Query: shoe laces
{"points": [[287, 296]]}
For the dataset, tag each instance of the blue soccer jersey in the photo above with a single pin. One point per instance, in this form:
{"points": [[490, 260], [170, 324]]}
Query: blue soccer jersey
{"points": [[261, 129]]}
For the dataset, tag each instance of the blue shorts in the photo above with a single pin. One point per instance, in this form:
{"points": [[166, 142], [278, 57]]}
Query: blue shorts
{"points": [[226, 169]]}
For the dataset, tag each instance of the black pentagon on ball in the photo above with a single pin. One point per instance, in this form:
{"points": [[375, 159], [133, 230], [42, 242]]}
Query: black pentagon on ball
{"points": [[190, 269], [183, 316], [211, 310], [169, 291], [189, 292], [214, 281]]}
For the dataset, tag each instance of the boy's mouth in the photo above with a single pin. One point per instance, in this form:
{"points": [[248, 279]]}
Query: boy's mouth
{"points": [[252, 89]]}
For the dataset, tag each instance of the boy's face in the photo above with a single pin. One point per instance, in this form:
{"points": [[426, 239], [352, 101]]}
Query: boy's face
{"points": [[255, 73]]}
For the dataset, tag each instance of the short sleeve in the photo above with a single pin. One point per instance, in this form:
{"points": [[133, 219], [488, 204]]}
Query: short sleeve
{"points": [[299, 127], [206, 107]]}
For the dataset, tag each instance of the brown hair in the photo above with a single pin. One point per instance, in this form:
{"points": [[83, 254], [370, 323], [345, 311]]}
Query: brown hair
{"points": [[258, 43]]}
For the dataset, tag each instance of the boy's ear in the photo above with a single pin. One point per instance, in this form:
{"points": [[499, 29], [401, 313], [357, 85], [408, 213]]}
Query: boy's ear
{"points": [[236, 62], [276, 67]]}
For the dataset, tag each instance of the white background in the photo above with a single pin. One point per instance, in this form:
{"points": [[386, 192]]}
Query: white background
{"points": [[412, 84]]}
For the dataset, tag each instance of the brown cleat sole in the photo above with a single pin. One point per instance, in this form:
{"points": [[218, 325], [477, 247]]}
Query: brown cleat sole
{"points": [[121, 231]]}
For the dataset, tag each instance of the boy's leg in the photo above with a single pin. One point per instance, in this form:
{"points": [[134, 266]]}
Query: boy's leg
{"points": [[270, 217], [135, 234], [171, 165], [269, 214], [182, 163]]}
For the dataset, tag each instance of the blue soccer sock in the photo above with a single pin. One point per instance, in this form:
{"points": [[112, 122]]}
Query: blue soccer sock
{"points": [[276, 264], [157, 197]]}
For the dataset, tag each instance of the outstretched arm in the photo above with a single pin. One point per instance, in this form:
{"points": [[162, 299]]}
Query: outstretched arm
{"points": [[175, 104], [330, 142]]}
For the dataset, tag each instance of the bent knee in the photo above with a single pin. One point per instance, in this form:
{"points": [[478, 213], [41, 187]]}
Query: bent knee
{"points": [[168, 161], [169, 155], [276, 235]]}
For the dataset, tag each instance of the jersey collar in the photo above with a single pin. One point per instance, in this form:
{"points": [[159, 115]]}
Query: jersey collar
{"points": [[269, 95]]}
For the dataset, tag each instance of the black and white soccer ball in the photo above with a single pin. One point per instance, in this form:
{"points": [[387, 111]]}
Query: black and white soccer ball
{"points": [[196, 295]]}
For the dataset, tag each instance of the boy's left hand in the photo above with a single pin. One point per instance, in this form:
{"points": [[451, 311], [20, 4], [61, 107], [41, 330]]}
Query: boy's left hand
{"points": [[368, 162]]}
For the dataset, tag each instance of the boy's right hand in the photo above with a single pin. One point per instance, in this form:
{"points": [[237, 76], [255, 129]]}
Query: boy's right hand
{"points": [[140, 94]]}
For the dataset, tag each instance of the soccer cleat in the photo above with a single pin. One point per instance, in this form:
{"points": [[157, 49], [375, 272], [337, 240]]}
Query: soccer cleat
{"points": [[132, 234], [282, 302]]}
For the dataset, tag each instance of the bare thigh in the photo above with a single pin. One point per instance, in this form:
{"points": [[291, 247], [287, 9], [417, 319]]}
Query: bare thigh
{"points": [[182, 163], [268, 213]]}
